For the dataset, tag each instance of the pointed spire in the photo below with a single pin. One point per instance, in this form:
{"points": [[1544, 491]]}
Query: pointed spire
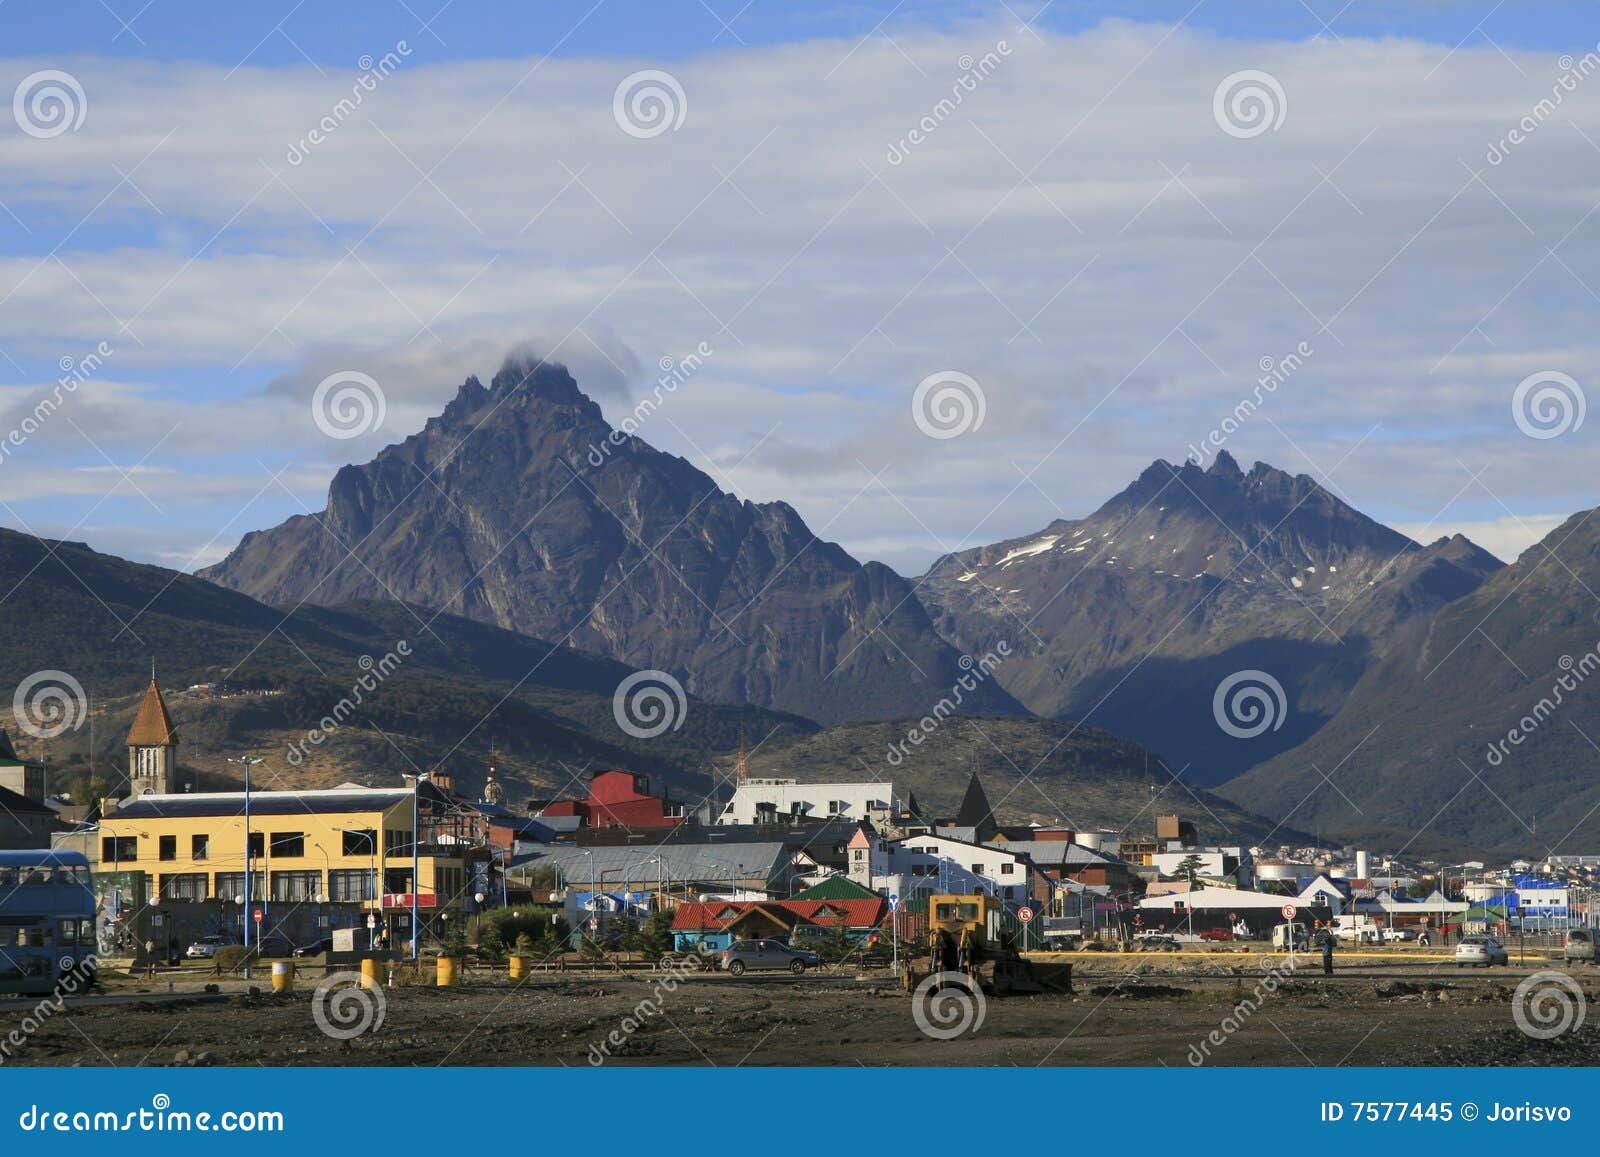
{"points": [[152, 726]]}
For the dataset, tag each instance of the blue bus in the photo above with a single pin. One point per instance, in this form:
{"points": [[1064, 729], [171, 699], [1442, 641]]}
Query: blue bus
{"points": [[47, 921]]}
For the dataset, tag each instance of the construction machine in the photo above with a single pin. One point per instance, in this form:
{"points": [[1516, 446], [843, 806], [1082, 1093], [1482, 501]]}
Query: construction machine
{"points": [[966, 934]]}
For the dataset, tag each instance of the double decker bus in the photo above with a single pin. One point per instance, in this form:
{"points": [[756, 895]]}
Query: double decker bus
{"points": [[47, 921]]}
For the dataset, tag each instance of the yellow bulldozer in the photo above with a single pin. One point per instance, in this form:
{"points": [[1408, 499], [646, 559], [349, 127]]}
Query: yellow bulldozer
{"points": [[966, 934]]}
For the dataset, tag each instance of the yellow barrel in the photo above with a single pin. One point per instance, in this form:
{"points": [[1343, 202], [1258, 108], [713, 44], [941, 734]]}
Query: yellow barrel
{"points": [[446, 973], [370, 977], [282, 975], [519, 968]]}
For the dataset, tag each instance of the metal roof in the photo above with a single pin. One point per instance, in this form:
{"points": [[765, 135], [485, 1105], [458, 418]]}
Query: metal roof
{"points": [[681, 862], [263, 803]]}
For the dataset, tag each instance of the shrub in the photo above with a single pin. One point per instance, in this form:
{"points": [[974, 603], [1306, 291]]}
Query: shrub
{"points": [[232, 957]]}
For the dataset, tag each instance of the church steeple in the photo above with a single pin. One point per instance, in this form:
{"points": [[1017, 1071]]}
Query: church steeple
{"points": [[152, 744]]}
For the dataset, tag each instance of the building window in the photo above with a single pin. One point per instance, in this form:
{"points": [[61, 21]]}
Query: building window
{"points": [[977, 869], [288, 845], [200, 847], [184, 886], [119, 849], [672, 810], [396, 842], [230, 886], [397, 881], [360, 842], [167, 847], [257, 845], [1007, 869], [293, 886], [351, 885]]}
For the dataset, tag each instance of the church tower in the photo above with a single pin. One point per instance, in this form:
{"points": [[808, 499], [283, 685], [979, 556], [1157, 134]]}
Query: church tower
{"points": [[152, 746]]}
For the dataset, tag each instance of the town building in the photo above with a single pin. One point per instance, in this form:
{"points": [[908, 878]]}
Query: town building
{"points": [[767, 801], [153, 746], [24, 823], [938, 864], [316, 859], [712, 926], [617, 799], [19, 775]]}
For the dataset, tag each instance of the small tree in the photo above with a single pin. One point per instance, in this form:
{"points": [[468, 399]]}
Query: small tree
{"points": [[656, 937]]}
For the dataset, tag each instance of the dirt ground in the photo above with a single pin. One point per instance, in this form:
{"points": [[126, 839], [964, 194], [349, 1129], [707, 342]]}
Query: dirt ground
{"points": [[1125, 1011]]}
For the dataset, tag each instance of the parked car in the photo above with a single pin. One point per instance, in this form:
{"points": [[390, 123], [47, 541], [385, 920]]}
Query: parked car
{"points": [[1398, 935], [1580, 946], [745, 955], [315, 948], [206, 947], [1155, 942], [1484, 950], [1216, 934]]}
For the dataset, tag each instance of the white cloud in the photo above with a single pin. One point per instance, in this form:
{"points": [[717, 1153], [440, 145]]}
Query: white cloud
{"points": [[1079, 236]]}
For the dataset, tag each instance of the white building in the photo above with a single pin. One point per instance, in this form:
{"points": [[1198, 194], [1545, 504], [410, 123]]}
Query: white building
{"points": [[930, 864], [1212, 863], [770, 801]]}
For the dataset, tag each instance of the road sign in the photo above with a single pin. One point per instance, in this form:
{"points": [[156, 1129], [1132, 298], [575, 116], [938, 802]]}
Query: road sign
{"points": [[1025, 914], [894, 901], [372, 921], [1289, 911], [258, 915]]}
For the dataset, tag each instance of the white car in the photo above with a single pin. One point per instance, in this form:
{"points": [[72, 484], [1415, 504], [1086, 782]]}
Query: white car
{"points": [[206, 947], [1484, 950]]}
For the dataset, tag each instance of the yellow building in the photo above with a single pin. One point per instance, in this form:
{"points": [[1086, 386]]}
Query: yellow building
{"points": [[317, 860]]}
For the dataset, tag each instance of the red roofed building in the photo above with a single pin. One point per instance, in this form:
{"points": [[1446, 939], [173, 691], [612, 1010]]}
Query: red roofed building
{"points": [[717, 923], [619, 799]]}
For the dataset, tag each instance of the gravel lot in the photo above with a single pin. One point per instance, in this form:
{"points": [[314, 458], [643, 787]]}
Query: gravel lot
{"points": [[1126, 1011]]}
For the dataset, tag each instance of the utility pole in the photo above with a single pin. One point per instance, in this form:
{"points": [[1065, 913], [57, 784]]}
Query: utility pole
{"points": [[416, 860], [247, 762]]}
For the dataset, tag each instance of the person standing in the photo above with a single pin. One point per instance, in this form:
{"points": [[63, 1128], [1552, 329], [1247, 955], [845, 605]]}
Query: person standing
{"points": [[1327, 952]]}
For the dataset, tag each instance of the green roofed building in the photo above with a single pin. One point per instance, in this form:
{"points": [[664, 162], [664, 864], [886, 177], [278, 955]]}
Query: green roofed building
{"points": [[837, 888]]}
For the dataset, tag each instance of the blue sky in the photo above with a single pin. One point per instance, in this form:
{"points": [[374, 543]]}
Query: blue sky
{"points": [[1082, 237], [671, 29]]}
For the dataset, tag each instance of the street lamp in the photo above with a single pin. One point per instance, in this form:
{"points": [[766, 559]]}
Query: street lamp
{"points": [[247, 762], [416, 859]]}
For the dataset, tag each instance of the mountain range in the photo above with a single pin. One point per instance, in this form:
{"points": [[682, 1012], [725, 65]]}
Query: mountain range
{"points": [[533, 558]]}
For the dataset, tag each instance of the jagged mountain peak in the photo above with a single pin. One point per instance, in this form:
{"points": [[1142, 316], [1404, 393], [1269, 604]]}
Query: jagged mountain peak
{"points": [[521, 506], [1129, 617]]}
